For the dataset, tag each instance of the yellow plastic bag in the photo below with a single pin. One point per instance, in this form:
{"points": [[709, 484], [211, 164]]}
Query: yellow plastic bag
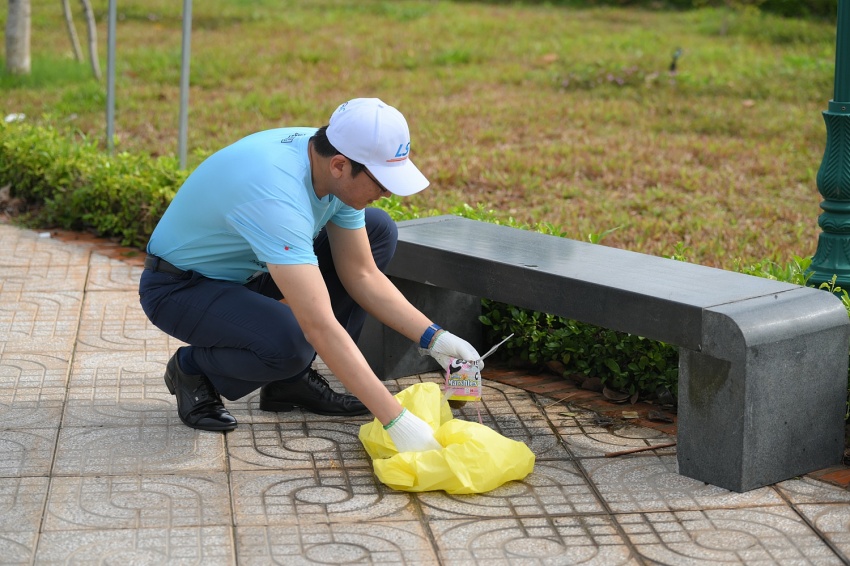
{"points": [[474, 458]]}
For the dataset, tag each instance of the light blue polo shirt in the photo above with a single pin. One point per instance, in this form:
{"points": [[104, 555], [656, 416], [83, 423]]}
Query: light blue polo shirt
{"points": [[247, 205]]}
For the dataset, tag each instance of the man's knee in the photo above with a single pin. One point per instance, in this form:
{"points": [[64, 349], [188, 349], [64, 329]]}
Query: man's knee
{"points": [[286, 356]]}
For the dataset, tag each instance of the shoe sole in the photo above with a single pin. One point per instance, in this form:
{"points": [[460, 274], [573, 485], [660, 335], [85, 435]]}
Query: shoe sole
{"points": [[280, 407], [169, 383]]}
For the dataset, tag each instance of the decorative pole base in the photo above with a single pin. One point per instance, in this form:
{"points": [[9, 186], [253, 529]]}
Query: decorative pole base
{"points": [[832, 257]]}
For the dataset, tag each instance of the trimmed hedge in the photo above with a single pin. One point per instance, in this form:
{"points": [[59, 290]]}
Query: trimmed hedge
{"points": [[72, 183]]}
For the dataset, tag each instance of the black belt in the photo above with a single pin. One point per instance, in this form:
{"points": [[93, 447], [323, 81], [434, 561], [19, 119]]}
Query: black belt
{"points": [[155, 263]]}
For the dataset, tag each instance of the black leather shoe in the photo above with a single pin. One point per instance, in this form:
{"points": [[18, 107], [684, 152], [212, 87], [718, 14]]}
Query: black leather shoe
{"points": [[198, 403], [312, 393]]}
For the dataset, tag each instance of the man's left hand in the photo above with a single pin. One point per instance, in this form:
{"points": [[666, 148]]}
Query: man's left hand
{"points": [[446, 345]]}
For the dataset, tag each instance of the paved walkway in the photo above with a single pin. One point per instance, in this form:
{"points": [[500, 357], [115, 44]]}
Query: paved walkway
{"points": [[95, 467]]}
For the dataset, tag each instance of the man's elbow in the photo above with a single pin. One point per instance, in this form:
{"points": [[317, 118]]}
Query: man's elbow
{"points": [[316, 331]]}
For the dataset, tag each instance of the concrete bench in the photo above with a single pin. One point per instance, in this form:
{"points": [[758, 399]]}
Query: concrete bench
{"points": [[762, 364]]}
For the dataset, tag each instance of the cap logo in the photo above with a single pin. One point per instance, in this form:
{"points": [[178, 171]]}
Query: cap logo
{"points": [[401, 153]]}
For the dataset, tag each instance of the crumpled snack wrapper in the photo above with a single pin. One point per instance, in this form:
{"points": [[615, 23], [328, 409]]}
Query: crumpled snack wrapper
{"points": [[474, 458]]}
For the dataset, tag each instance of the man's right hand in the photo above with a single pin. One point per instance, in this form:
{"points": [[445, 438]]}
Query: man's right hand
{"points": [[409, 433]]}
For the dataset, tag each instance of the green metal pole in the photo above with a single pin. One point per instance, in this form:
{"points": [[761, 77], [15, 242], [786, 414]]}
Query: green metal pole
{"points": [[110, 76], [832, 257], [183, 132]]}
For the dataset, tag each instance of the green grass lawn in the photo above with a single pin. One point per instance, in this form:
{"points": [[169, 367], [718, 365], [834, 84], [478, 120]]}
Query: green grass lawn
{"points": [[541, 113]]}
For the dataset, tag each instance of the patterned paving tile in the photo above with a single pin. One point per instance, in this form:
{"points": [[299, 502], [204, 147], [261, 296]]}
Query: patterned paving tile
{"points": [[755, 536], [20, 246], [107, 274], [515, 414], [649, 483], [20, 412], [32, 389], [138, 502], [247, 411], [114, 321], [511, 412], [587, 434], [553, 488], [18, 548], [806, 490], [396, 385], [22, 371], [44, 322], [302, 443], [137, 450], [390, 544], [43, 278], [22, 504], [32, 263], [585, 540], [116, 388], [832, 521], [26, 452], [210, 546], [21, 507], [301, 497], [604, 443]]}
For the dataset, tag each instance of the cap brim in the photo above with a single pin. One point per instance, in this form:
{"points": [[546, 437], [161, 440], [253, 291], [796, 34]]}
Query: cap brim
{"points": [[402, 180]]}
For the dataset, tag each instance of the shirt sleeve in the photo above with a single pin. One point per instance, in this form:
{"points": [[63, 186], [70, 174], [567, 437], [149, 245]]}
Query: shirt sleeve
{"points": [[350, 218]]}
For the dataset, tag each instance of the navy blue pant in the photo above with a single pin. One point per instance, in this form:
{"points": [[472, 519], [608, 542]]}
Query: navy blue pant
{"points": [[241, 336]]}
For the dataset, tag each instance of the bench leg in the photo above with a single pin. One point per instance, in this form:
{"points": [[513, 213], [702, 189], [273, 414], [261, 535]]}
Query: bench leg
{"points": [[391, 355], [764, 400]]}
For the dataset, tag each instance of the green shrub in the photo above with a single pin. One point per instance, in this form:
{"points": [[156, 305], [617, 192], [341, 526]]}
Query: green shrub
{"points": [[623, 362], [72, 183]]}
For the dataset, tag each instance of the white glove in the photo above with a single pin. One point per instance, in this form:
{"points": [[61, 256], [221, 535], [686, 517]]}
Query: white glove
{"points": [[409, 433], [446, 345]]}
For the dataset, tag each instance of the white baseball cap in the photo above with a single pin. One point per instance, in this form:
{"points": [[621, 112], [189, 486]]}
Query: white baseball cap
{"points": [[371, 132]]}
